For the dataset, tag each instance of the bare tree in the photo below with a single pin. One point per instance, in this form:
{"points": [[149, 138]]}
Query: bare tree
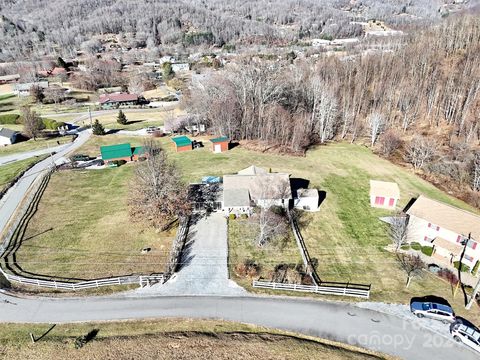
{"points": [[158, 196], [376, 122], [36, 92], [421, 151], [476, 172], [399, 230], [32, 123], [411, 264], [389, 143]]}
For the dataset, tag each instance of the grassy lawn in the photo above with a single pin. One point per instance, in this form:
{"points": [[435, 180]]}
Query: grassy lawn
{"points": [[30, 145], [138, 120], [9, 171], [345, 235], [82, 228], [170, 339]]}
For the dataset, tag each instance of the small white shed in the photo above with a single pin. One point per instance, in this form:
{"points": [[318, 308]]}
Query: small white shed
{"points": [[7, 136], [384, 194], [307, 199]]}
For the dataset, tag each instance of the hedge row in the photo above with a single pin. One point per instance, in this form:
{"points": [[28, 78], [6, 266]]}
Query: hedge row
{"points": [[9, 119], [51, 124]]}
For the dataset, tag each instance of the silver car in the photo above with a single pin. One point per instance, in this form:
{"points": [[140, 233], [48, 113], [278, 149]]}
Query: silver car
{"points": [[467, 333]]}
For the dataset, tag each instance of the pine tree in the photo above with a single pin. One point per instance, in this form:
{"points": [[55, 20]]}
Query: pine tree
{"points": [[98, 128], [121, 118]]}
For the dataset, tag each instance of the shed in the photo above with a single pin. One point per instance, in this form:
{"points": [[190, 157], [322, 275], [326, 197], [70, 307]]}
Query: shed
{"points": [[138, 152], [384, 194], [220, 144], [182, 143], [116, 152], [307, 199], [7, 136]]}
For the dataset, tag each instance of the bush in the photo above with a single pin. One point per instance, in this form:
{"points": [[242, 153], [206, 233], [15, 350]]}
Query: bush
{"points": [[405, 247], [427, 250], [448, 275], [9, 119], [475, 268], [416, 246], [232, 216], [244, 216], [52, 124], [119, 162], [464, 267], [248, 268]]}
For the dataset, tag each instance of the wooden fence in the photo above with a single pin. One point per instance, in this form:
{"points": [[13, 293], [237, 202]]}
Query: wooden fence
{"points": [[354, 290]]}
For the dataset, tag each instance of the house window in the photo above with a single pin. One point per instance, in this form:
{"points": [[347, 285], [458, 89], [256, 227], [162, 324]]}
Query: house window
{"points": [[459, 238], [425, 238], [391, 202], [472, 244], [438, 228], [467, 257], [429, 225], [379, 200]]}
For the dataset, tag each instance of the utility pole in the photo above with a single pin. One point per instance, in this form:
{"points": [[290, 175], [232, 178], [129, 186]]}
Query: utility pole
{"points": [[90, 116]]}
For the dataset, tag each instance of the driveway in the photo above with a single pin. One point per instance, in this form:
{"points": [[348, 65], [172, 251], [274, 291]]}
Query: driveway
{"points": [[204, 269], [336, 321]]}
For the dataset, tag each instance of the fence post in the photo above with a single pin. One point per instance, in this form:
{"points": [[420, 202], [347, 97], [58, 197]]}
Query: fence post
{"points": [[55, 283], [96, 283]]}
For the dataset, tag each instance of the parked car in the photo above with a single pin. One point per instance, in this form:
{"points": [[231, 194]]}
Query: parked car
{"points": [[433, 310], [151, 129], [80, 157], [465, 332]]}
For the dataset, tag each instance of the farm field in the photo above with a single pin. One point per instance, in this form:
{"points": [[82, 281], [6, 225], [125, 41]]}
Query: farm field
{"points": [[346, 235], [82, 228], [171, 339]]}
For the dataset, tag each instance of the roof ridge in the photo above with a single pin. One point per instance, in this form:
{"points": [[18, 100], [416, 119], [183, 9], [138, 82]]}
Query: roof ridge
{"points": [[449, 205]]}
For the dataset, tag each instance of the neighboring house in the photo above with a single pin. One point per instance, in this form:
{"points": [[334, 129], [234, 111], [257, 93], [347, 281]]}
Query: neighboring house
{"points": [[446, 228], [252, 187], [220, 144], [115, 100], [179, 67], [384, 194], [24, 89], [55, 71], [117, 152], [182, 143], [7, 136], [8, 79], [307, 199]]}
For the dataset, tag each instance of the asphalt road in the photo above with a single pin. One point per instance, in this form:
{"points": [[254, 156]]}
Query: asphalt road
{"points": [[15, 195], [336, 321], [7, 159]]}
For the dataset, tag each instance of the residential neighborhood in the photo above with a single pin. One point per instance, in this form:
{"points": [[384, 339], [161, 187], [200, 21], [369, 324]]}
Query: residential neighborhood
{"points": [[239, 180]]}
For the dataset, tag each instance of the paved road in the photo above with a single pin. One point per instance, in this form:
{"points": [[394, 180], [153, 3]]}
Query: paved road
{"points": [[7, 159], [205, 270], [14, 196], [336, 321]]}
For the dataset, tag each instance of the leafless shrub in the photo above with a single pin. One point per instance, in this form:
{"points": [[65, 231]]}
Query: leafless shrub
{"points": [[421, 151], [411, 264], [389, 143]]}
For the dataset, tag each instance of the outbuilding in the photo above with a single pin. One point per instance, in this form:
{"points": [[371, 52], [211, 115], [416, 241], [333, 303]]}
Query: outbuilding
{"points": [[111, 153], [7, 136], [220, 144], [307, 199], [384, 194], [182, 143]]}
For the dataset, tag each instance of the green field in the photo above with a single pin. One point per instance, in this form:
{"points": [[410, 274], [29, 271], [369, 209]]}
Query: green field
{"points": [[9, 171], [345, 235], [173, 339], [82, 228], [30, 145]]}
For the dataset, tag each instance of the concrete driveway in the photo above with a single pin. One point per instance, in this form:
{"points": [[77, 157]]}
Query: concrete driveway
{"points": [[204, 268]]}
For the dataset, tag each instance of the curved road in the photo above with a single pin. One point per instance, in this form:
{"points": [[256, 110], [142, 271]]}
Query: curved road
{"points": [[337, 321]]}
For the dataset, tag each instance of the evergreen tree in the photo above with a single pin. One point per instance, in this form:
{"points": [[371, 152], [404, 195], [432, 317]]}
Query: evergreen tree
{"points": [[98, 128], [121, 118]]}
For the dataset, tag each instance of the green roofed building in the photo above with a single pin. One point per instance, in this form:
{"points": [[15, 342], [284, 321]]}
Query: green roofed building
{"points": [[121, 152], [220, 144], [182, 143]]}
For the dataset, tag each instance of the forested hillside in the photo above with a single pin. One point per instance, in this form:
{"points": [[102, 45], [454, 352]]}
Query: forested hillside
{"points": [[39, 27]]}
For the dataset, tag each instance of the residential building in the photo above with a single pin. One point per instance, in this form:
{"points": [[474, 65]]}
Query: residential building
{"points": [[252, 187], [124, 152], [8, 79], [307, 199], [55, 71], [445, 228], [7, 136], [182, 143], [115, 100], [220, 144], [24, 88], [384, 194], [179, 67]]}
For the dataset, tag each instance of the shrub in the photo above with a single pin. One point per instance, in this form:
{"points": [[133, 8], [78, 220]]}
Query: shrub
{"points": [[119, 162], [448, 275], [232, 216], [248, 268], [9, 119], [244, 216], [52, 124], [464, 268], [427, 250], [416, 246], [405, 247], [475, 268]]}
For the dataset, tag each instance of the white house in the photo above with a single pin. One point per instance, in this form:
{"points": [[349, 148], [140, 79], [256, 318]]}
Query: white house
{"points": [[24, 88], [307, 199], [179, 67], [7, 137], [445, 228], [384, 194], [252, 187]]}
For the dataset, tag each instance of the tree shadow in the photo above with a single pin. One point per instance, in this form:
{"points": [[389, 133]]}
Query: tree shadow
{"points": [[34, 236], [186, 255], [45, 333]]}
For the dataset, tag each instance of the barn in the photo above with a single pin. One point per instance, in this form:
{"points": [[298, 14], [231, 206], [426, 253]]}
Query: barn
{"points": [[182, 143], [125, 152], [220, 144]]}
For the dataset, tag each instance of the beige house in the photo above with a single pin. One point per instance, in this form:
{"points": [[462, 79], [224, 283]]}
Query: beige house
{"points": [[384, 194], [252, 187], [445, 228]]}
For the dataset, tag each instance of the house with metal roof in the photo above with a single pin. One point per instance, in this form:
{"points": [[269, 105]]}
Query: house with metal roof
{"points": [[220, 144], [182, 143], [124, 151], [449, 230], [7, 136], [115, 100]]}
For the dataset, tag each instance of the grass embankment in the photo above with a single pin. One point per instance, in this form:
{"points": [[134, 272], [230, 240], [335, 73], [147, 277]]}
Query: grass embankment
{"points": [[345, 235], [31, 145], [170, 339], [9, 171], [82, 228]]}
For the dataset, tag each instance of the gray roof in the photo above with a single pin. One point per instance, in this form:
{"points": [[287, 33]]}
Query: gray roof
{"points": [[261, 186], [4, 132], [236, 197], [307, 193], [27, 86], [252, 170]]}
